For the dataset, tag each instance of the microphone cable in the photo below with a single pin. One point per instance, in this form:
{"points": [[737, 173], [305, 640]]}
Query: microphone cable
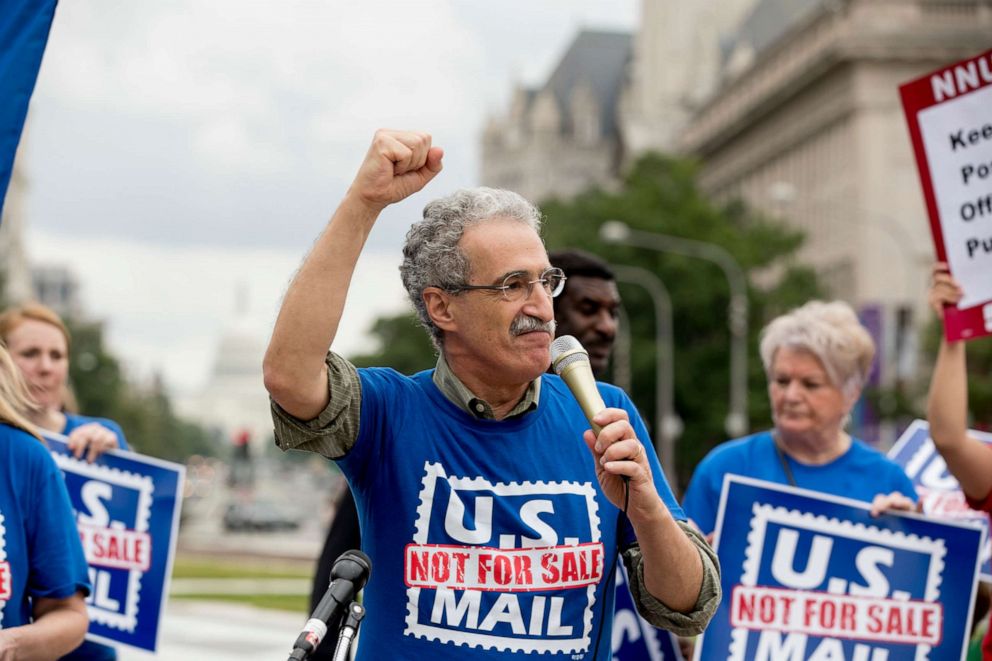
{"points": [[613, 568]]}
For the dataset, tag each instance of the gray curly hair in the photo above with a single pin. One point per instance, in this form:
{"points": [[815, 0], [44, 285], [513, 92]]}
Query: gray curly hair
{"points": [[431, 257]]}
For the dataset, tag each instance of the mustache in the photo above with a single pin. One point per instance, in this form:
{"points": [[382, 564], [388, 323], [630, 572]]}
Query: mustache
{"points": [[528, 324]]}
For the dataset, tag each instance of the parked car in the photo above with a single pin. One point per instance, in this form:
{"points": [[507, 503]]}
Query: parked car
{"points": [[259, 516]]}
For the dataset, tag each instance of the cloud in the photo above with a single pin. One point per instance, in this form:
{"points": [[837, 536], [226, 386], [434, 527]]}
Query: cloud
{"points": [[177, 148], [168, 306], [242, 121]]}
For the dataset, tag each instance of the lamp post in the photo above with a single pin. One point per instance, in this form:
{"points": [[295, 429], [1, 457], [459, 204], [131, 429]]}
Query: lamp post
{"points": [[668, 425], [620, 359], [615, 231]]}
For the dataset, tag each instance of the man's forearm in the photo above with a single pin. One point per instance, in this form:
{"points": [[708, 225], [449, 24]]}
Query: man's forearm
{"points": [[660, 614], [398, 164], [311, 312], [673, 572]]}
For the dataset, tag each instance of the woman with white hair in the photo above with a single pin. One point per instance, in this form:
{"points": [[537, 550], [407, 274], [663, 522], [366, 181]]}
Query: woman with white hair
{"points": [[817, 359]]}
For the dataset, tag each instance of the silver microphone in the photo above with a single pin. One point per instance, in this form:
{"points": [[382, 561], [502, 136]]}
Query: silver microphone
{"points": [[571, 362]]}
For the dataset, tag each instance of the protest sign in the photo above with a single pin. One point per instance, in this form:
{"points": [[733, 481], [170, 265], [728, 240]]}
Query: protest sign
{"points": [[940, 494], [127, 511], [634, 639], [949, 112], [806, 575]]}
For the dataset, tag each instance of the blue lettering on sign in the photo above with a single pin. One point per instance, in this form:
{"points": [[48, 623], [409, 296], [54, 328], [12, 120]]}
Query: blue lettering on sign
{"points": [[939, 492], [633, 638], [811, 576]]}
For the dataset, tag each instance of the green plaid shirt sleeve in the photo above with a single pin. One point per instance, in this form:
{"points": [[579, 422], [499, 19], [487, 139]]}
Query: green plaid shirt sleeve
{"points": [[335, 430], [660, 615]]}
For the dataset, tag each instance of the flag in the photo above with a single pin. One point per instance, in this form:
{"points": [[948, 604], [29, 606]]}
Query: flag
{"points": [[24, 27]]}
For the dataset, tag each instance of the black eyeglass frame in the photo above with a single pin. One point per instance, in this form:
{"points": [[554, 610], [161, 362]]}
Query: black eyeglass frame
{"points": [[504, 288]]}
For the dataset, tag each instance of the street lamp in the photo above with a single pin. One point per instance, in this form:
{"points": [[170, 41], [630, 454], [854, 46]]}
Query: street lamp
{"points": [[620, 358], [615, 231], [668, 425]]}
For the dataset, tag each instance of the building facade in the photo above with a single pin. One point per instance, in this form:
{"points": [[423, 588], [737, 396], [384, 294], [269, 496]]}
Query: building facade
{"points": [[806, 125], [675, 66], [562, 138], [233, 401], [15, 271]]}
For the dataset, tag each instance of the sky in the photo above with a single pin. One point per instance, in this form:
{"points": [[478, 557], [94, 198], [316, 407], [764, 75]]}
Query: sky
{"points": [[178, 152]]}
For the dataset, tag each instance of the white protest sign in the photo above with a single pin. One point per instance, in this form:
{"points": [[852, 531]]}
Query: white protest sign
{"points": [[949, 113]]}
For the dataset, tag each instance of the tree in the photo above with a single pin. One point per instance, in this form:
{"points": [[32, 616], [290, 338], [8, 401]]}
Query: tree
{"points": [[979, 376], [402, 343], [659, 194], [144, 413]]}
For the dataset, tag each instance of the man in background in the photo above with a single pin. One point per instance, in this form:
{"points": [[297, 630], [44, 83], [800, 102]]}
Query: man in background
{"points": [[589, 307]]}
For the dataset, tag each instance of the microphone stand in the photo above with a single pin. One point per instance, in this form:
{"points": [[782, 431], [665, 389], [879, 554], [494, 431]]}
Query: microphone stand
{"points": [[349, 627], [348, 576]]}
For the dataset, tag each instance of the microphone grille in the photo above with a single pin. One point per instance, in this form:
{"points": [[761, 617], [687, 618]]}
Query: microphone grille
{"points": [[566, 351]]}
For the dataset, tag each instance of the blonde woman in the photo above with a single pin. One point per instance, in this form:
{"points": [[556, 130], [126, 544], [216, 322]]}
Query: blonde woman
{"points": [[42, 612], [39, 343]]}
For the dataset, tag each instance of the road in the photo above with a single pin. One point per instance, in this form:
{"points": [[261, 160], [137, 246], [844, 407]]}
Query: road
{"points": [[217, 631], [223, 631]]}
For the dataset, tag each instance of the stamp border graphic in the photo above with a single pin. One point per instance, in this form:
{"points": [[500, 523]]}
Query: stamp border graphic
{"points": [[434, 472], [128, 620], [764, 514], [3, 558]]}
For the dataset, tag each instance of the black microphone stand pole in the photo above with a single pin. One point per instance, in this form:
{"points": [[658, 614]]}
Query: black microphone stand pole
{"points": [[348, 576], [349, 627]]}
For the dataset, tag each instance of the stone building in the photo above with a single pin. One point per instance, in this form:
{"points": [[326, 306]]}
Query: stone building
{"points": [[675, 67], [57, 287], [15, 271], [20, 279], [806, 124], [563, 137]]}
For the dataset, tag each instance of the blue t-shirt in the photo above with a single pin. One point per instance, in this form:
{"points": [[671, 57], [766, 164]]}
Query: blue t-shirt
{"points": [[860, 473], [40, 553], [90, 650], [486, 537]]}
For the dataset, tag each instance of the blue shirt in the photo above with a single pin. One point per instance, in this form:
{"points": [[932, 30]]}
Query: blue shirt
{"points": [[487, 537], [860, 473], [40, 553]]}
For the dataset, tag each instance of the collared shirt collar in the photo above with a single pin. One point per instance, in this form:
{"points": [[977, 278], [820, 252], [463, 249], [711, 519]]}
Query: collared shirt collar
{"points": [[458, 394]]}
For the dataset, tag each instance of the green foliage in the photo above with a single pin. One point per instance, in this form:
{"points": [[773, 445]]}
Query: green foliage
{"points": [[979, 374], [237, 567], [980, 382], [660, 195], [402, 343], [145, 414], [294, 603]]}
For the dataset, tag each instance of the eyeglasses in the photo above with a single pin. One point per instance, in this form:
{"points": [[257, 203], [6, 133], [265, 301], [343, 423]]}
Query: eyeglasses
{"points": [[516, 286]]}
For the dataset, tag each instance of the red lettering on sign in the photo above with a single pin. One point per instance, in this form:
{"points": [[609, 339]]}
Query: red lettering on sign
{"points": [[825, 614], [116, 547], [506, 570], [5, 591]]}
